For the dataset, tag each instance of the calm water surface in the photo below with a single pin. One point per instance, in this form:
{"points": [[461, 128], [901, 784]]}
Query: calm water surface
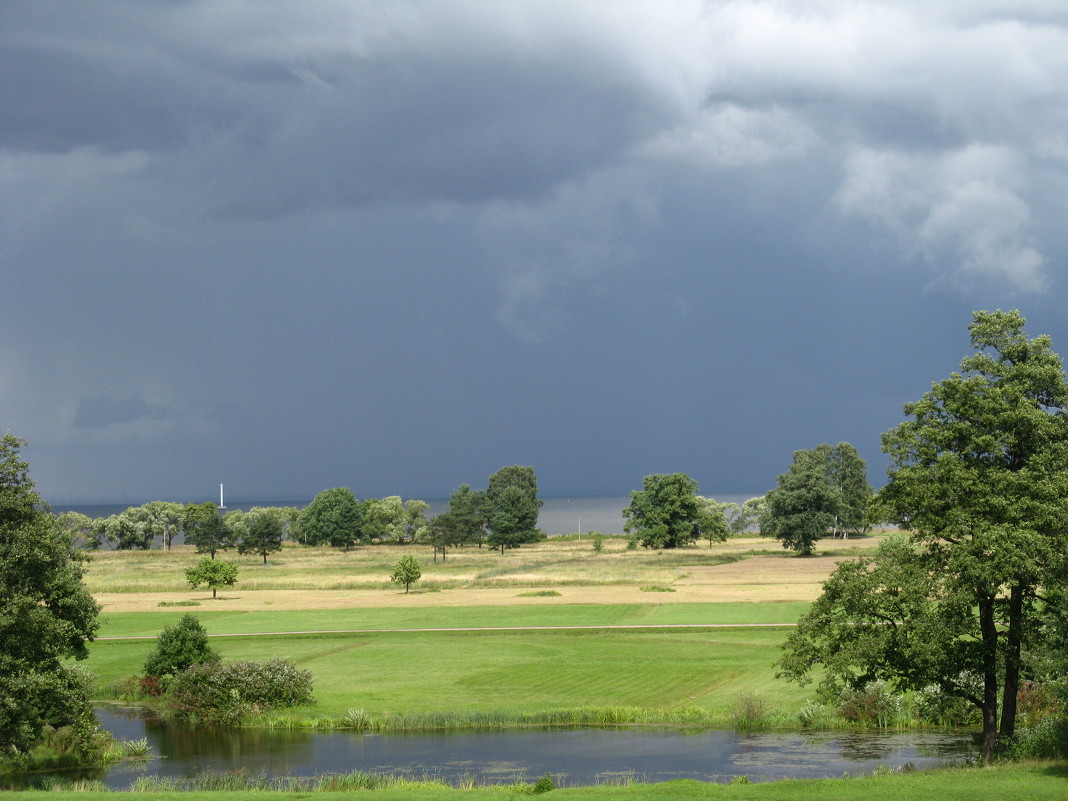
{"points": [[573, 756]]}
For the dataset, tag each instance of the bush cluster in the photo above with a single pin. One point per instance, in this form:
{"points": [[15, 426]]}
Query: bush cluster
{"points": [[226, 692], [177, 648]]}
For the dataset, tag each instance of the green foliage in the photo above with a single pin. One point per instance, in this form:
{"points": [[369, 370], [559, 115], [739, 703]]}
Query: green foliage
{"points": [[180, 646], [979, 477], [204, 529], [46, 617], [598, 541], [848, 472], [462, 522], [213, 573], [874, 704], [804, 505], [334, 517], [668, 513], [825, 490], [406, 571], [749, 712], [262, 531], [391, 519], [227, 692], [511, 507]]}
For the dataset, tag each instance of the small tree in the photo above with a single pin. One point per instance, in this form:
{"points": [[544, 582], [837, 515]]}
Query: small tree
{"points": [[179, 646], [406, 571], [213, 573]]}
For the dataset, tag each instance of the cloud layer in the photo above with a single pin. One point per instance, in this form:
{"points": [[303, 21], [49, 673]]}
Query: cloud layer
{"points": [[242, 228]]}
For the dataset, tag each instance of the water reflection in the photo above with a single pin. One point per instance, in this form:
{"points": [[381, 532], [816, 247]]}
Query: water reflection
{"points": [[573, 756]]}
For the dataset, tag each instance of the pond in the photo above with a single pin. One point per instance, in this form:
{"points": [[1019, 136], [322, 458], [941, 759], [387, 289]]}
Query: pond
{"points": [[572, 756]]}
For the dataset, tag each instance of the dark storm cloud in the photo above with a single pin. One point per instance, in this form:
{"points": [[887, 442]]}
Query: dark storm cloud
{"points": [[398, 244]]}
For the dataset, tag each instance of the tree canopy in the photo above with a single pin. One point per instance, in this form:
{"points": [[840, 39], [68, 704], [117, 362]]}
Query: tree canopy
{"points": [[511, 507], [204, 528], [825, 490], [667, 512], [213, 573], [334, 517], [979, 479], [406, 571], [46, 616]]}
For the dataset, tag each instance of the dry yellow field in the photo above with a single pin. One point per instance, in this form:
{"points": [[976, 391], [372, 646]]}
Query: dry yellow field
{"points": [[306, 578]]}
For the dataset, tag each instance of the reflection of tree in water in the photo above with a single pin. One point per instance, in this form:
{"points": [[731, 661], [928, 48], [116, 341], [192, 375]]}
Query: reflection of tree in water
{"points": [[227, 744], [861, 747]]}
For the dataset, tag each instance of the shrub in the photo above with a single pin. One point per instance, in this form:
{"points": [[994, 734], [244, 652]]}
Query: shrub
{"points": [[178, 647], [750, 712], [226, 692], [1047, 739], [816, 716], [939, 709], [875, 704], [598, 541]]}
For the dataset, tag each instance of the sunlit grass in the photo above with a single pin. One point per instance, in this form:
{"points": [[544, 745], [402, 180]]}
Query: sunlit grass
{"points": [[555, 562]]}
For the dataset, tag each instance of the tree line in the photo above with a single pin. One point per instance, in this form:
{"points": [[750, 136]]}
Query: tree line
{"points": [[504, 515]]}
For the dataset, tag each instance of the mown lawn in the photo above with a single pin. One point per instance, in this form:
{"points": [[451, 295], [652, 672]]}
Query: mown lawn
{"points": [[222, 621], [1019, 782], [420, 672]]}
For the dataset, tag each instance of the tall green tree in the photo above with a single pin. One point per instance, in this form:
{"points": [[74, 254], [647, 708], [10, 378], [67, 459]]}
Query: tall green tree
{"points": [[334, 517], [462, 521], [263, 531], [47, 616], [848, 472], [979, 479], [668, 513], [804, 505], [511, 507], [204, 528]]}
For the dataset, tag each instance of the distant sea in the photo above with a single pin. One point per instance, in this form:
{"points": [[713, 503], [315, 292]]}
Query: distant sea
{"points": [[557, 516]]}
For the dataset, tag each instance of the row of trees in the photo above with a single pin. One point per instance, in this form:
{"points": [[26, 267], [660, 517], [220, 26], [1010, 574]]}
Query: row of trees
{"points": [[504, 515]]}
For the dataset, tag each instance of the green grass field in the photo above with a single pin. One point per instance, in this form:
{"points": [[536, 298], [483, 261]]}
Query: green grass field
{"points": [[222, 621], [1019, 782], [518, 672]]}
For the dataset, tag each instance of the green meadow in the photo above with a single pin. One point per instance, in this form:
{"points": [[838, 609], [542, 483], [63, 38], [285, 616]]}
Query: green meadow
{"points": [[1020, 782]]}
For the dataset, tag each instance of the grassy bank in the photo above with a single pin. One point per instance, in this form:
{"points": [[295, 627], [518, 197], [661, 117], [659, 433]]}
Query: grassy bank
{"points": [[1022, 782], [510, 674]]}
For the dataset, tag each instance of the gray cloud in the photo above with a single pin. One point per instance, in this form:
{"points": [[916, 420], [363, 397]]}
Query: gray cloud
{"points": [[375, 239]]}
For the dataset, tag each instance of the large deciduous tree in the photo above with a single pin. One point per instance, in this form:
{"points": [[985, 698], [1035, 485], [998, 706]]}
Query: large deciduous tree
{"points": [[979, 479], [262, 531], [804, 505], [511, 507], [204, 528], [668, 513], [46, 617], [825, 490], [334, 517]]}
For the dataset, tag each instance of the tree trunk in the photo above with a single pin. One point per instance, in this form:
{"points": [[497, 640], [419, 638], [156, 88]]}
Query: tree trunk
{"points": [[1014, 636], [213, 590], [990, 677], [265, 557]]}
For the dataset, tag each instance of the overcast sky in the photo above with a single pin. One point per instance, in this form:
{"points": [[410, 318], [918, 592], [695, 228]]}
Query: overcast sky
{"points": [[397, 245]]}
